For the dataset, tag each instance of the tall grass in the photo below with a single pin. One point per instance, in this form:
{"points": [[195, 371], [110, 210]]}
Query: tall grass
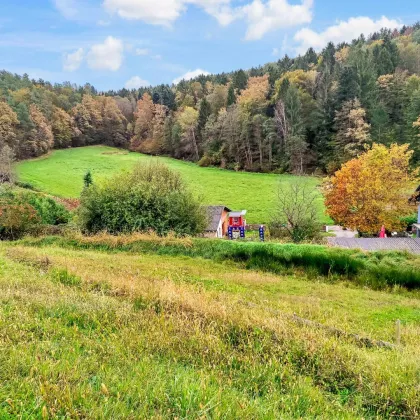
{"points": [[143, 348], [377, 270]]}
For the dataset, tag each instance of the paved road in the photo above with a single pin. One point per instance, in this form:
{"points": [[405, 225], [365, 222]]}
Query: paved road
{"points": [[378, 244], [339, 232]]}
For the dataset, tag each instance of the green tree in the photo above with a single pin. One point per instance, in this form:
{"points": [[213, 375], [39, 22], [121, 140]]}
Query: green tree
{"points": [[231, 99], [87, 179]]}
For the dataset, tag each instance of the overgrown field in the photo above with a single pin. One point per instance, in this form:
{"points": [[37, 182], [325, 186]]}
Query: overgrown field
{"points": [[86, 332], [61, 174]]}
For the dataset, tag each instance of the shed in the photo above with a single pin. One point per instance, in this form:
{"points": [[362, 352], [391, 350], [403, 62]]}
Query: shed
{"points": [[218, 222]]}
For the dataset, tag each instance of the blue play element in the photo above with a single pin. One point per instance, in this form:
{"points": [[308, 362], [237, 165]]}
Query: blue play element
{"points": [[230, 232], [262, 233]]}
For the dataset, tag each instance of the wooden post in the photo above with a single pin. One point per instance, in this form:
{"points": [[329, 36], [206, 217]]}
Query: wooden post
{"points": [[398, 332]]}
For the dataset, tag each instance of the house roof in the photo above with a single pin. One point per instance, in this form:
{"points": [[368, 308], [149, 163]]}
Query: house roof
{"points": [[214, 215]]}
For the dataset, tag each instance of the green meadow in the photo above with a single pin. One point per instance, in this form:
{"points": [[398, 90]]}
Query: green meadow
{"points": [[89, 333], [61, 174]]}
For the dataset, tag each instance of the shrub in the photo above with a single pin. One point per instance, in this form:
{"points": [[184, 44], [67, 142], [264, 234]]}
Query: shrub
{"points": [[205, 161], [152, 197], [23, 212], [16, 219], [297, 212], [49, 211]]}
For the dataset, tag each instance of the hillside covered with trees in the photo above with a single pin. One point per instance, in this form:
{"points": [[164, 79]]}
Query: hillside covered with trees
{"points": [[303, 115]]}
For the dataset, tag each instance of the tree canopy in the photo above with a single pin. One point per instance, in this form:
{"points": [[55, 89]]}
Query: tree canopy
{"points": [[373, 190], [306, 114]]}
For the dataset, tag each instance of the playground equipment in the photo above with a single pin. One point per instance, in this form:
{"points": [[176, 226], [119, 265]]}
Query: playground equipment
{"points": [[237, 224]]}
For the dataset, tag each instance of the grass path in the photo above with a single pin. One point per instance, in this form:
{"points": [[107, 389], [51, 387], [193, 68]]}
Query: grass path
{"points": [[61, 174]]}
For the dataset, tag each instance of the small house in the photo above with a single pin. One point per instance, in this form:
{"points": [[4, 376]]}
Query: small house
{"points": [[218, 221]]}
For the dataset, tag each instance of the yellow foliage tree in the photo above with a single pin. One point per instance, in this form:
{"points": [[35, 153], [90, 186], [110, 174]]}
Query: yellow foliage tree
{"points": [[305, 80], [372, 190], [254, 97]]}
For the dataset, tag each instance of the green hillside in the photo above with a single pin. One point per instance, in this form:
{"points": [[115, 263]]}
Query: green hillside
{"points": [[61, 174]]}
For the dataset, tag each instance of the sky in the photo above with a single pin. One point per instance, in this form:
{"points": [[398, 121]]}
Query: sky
{"points": [[132, 43]]}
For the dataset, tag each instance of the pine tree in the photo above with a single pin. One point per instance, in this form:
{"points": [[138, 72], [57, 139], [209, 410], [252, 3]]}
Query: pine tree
{"points": [[384, 63], [348, 88], [87, 179], [231, 99], [203, 116]]}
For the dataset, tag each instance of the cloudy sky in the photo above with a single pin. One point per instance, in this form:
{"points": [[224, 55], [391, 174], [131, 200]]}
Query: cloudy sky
{"points": [[116, 43]]}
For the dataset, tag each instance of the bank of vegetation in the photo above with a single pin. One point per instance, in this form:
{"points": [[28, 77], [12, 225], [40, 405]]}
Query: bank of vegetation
{"points": [[381, 270]]}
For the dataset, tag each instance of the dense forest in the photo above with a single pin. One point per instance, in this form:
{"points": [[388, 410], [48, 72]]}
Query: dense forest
{"points": [[303, 115]]}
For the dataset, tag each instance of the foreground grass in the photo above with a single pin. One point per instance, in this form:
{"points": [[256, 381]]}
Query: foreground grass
{"points": [[86, 334], [379, 270], [61, 174]]}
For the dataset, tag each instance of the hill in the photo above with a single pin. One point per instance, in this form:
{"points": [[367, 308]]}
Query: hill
{"points": [[61, 174], [297, 115], [177, 336]]}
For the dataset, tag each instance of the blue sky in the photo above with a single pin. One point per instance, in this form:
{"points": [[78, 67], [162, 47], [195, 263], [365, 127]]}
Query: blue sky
{"points": [[116, 43]]}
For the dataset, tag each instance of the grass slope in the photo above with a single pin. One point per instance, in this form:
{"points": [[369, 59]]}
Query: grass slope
{"points": [[148, 336], [61, 174]]}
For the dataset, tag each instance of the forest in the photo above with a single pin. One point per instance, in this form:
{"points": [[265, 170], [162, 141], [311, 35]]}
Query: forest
{"points": [[308, 114]]}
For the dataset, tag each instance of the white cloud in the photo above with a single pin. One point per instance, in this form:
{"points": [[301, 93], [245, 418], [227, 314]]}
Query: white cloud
{"points": [[72, 61], [191, 75], [106, 56], [165, 12], [157, 57], [275, 52], [136, 82], [342, 31], [162, 12], [273, 15], [262, 17], [68, 8], [103, 23], [142, 51]]}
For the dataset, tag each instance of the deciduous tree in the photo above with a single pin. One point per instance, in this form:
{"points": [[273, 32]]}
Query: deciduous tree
{"points": [[352, 130], [8, 125], [372, 190]]}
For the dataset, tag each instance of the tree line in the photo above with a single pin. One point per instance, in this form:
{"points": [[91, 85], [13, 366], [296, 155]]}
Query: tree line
{"points": [[308, 114]]}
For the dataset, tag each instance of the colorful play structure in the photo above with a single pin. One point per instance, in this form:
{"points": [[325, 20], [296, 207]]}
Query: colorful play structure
{"points": [[237, 226]]}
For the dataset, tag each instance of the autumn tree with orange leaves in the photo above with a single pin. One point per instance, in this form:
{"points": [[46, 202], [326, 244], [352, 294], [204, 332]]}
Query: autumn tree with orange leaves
{"points": [[372, 190]]}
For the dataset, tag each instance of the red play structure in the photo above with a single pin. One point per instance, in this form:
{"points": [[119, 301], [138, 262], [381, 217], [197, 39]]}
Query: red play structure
{"points": [[237, 224]]}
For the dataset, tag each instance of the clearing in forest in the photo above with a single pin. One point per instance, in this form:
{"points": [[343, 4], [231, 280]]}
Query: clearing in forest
{"points": [[61, 174]]}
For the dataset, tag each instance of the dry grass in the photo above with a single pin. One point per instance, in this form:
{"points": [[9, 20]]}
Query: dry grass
{"points": [[176, 337]]}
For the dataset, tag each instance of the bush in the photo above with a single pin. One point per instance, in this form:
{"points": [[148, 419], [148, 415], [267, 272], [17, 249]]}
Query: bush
{"points": [[152, 197], [205, 161], [297, 212], [16, 219], [49, 211], [23, 212]]}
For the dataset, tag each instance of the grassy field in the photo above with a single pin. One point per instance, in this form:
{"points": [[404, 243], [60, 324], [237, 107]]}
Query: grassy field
{"points": [[159, 336], [61, 174]]}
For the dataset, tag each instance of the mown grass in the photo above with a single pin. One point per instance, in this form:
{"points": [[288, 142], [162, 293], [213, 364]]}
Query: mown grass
{"points": [[376, 270], [87, 335], [61, 174]]}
